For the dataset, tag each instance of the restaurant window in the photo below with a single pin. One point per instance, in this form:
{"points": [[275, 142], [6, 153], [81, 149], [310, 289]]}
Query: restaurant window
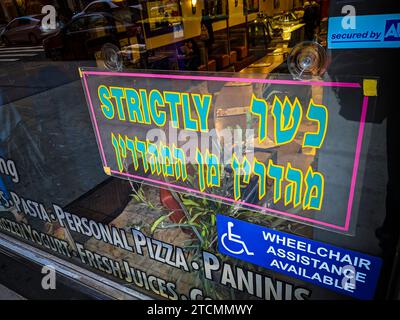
{"points": [[160, 16]]}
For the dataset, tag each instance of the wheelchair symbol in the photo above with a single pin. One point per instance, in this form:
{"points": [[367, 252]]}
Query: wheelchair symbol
{"points": [[234, 238]]}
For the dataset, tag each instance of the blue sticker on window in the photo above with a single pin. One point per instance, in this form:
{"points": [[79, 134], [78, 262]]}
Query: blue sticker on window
{"points": [[344, 271], [371, 31]]}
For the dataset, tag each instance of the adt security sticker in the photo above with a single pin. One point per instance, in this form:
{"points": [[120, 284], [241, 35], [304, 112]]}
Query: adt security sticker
{"points": [[344, 271], [371, 31]]}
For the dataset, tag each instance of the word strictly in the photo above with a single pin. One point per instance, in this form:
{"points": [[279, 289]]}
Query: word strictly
{"points": [[154, 107]]}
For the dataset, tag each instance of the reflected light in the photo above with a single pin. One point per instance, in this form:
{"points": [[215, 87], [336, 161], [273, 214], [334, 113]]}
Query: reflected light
{"points": [[194, 4]]}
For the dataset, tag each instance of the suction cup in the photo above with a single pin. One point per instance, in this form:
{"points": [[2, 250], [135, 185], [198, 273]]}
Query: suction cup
{"points": [[307, 59]]}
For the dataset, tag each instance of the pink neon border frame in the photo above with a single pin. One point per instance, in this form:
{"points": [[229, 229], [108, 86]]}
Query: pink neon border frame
{"points": [[250, 80]]}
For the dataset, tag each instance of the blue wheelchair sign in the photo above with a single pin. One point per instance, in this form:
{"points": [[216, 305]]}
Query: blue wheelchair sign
{"points": [[341, 270]]}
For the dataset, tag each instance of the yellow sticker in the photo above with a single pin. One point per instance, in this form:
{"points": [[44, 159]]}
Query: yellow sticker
{"points": [[107, 170], [309, 151], [80, 72], [370, 87]]}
